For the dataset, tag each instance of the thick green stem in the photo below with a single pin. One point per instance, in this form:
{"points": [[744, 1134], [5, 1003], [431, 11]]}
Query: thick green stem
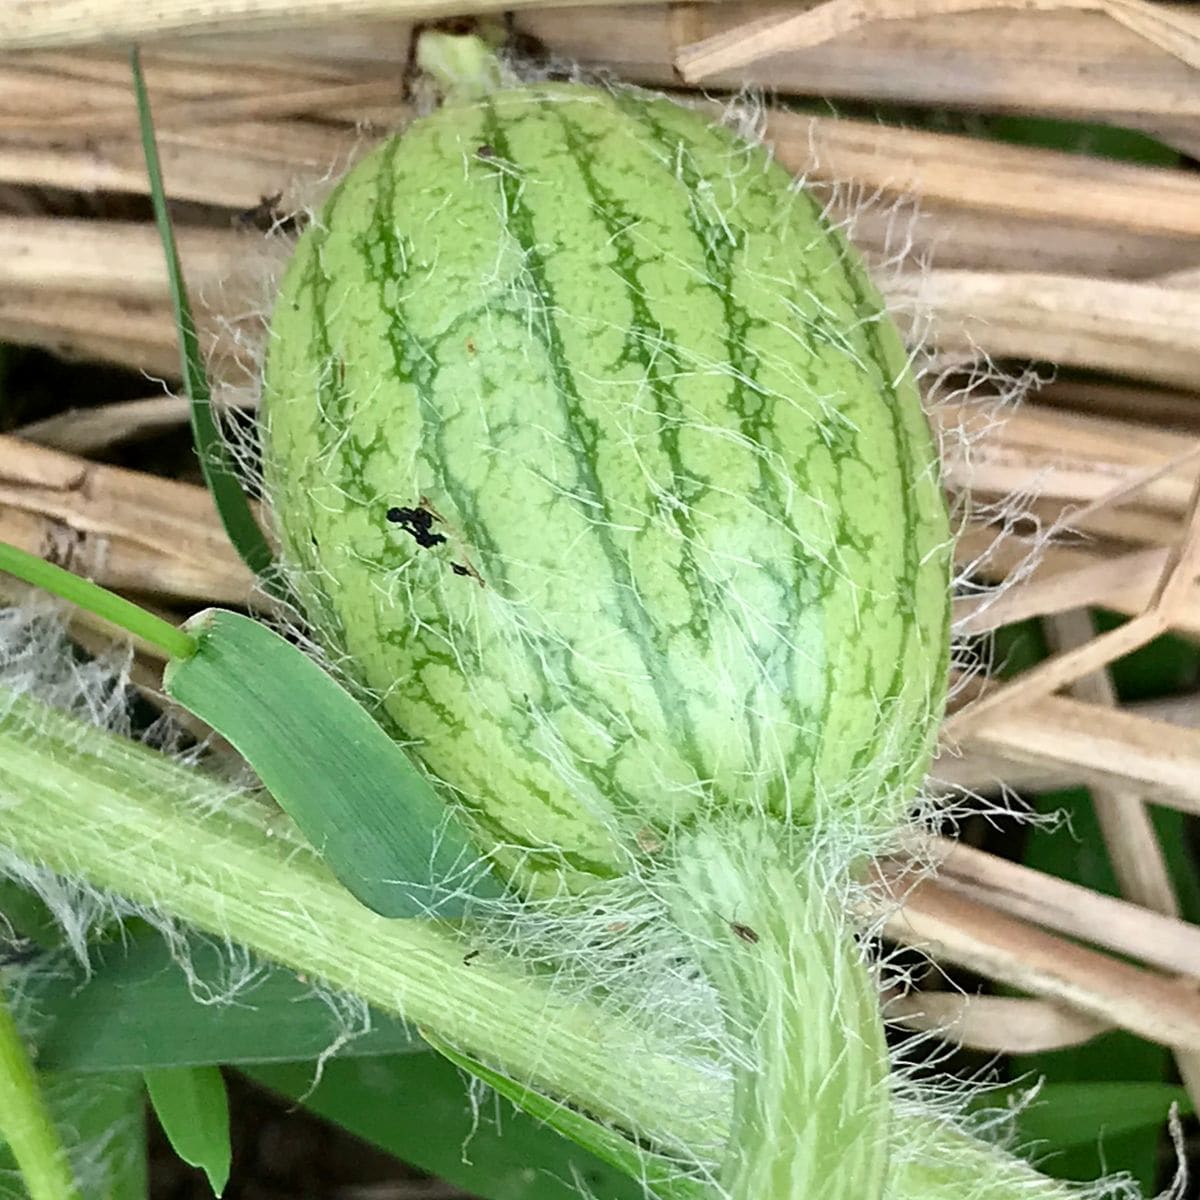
{"points": [[931, 1160], [104, 810], [465, 67], [812, 1110], [25, 1122], [121, 817]]}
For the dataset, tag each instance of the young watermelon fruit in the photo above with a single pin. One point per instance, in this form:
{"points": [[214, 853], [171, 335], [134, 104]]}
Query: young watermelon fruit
{"points": [[600, 462]]}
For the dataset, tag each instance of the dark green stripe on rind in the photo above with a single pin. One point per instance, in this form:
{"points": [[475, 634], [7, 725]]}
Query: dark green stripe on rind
{"points": [[694, 546]]}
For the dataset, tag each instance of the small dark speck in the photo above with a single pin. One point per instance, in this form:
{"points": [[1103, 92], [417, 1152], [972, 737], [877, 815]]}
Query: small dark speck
{"points": [[744, 932], [418, 522], [470, 954], [459, 569], [486, 151]]}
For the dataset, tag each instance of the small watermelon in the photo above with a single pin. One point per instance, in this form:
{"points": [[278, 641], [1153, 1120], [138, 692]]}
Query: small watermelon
{"points": [[599, 460]]}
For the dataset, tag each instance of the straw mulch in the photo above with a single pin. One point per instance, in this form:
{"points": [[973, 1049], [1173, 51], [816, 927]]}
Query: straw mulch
{"points": [[1036, 256]]}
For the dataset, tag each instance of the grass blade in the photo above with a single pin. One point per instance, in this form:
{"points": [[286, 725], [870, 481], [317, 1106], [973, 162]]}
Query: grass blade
{"points": [[215, 461], [193, 1110], [1067, 1115], [354, 793]]}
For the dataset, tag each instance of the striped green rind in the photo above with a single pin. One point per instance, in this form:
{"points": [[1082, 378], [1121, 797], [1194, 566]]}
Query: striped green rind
{"points": [[695, 546]]}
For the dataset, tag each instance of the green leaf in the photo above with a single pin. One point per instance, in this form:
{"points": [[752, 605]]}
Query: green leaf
{"points": [[137, 1011], [1165, 665], [1079, 137], [416, 1107], [354, 793], [609, 1145], [1066, 1115], [192, 1108], [216, 462]]}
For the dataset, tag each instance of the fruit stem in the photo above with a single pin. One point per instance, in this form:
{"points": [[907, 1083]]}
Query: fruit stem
{"points": [[812, 1112], [464, 65]]}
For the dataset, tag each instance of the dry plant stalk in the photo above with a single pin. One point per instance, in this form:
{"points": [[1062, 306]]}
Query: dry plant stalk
{"points": [[1172, 591], [1131, 323], [1129, 836], [960, 931], [1177, 33], [127, 529], [90, 430], [83, 22], [997, 1024]]}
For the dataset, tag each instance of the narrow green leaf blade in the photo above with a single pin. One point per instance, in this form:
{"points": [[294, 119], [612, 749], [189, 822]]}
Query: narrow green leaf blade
{"points": [[215, 460], [664, 1178], [353, 792], [416, 1107], [137, 1009], [193, 1109]]}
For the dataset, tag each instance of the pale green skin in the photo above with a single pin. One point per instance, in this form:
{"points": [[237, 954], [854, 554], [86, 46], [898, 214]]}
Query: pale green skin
{"points": [[666, 428]]}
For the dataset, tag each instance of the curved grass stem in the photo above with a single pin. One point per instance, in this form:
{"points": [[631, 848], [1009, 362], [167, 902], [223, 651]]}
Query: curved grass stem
{"points": [[98, 600], [25, 1121]]}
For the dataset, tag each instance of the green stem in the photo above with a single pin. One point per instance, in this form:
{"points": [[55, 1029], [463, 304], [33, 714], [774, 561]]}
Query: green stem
{"points": [[25, 1122], [122, 817], [931, 1160], [812, 1111], [105, 604], [465, 66]]}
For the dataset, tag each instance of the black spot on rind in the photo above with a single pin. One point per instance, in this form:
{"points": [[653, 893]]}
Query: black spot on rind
{"points": [[470, 954], [459, 569], [419, 523], [485, 151]]}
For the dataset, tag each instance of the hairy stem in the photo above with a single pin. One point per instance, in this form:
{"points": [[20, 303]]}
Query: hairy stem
{"points": [[811, 1110], [123, 818]]}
